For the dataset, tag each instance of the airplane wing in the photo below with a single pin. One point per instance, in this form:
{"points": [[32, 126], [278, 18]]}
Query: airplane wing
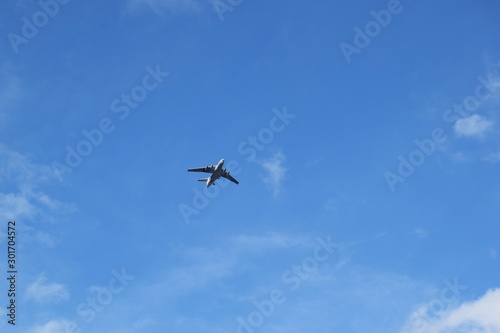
{"points": [[226, 175], [208, 168]]}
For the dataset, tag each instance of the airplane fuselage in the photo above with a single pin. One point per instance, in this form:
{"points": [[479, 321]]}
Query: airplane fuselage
{"points": [[216, 174]]}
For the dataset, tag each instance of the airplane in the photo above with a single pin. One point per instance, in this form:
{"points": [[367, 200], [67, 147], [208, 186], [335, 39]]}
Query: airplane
{"points": [[216, 172]]}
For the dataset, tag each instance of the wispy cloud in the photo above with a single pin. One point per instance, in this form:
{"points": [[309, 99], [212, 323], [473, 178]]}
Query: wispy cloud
{"points": [[331, 204], [45, 239], [266, 242], [203, 265], [421, 233], [143, 323], [54, 326], [315, 162], [162, 6], [493, 77], [43, 291], [203, 270], [493, 157], [337, 202], [21, 179], [473, 126], [33, 235], [16, 205], [493, 253], [477, 316], [17, 168], [375, 297], [276, 172]]}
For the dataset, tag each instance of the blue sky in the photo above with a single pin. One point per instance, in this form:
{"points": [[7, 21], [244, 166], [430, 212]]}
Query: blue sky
{"points": [[364, 134]]}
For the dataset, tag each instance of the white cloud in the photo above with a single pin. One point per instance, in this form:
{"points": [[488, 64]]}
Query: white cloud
{"points": [[55, 326], [206, 265], [360, 298], [16, 206], [460, 157], [45, 239], [266, 242], [343, 202], [493, 77], [20, 179], [493, 157], [331, 205], [203, 267], [45, 292], [421, 233], [143, 323], [18, 169], [315, 162], [160, 6], [476, 316], [473, 126], [275, 172]]}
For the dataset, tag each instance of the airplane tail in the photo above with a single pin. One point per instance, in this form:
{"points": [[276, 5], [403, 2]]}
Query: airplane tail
{"points": [[203, 180]]}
